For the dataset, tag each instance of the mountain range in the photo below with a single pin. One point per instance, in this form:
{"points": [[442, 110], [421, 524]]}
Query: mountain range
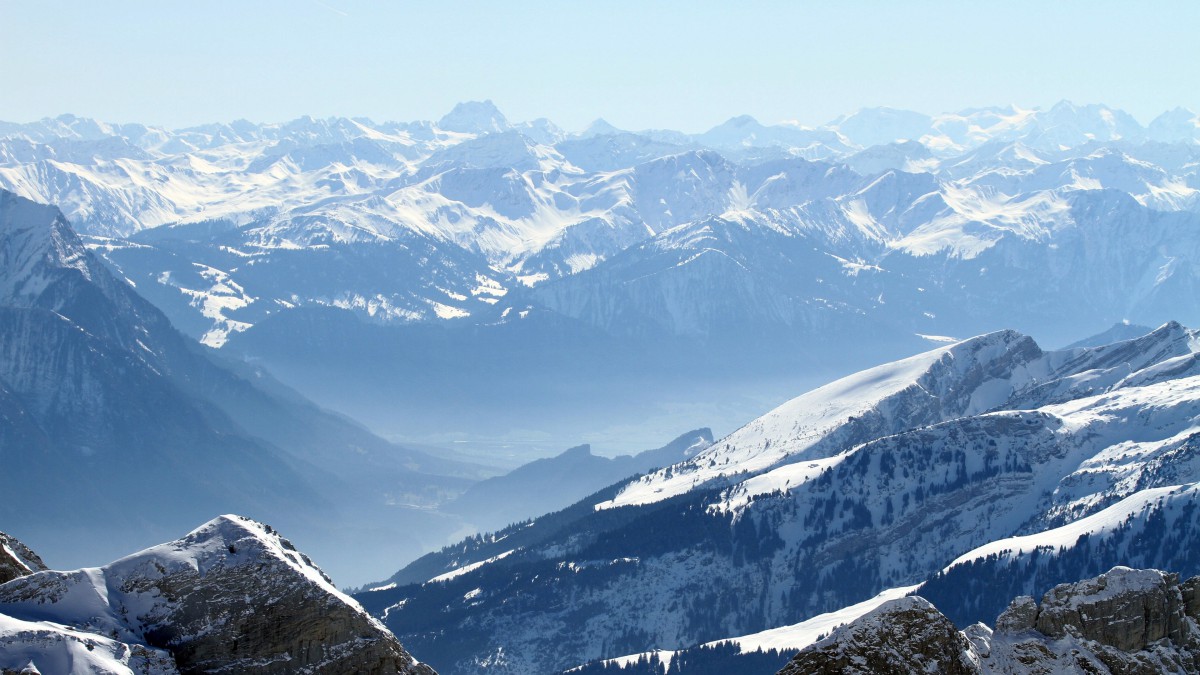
{"points": [[751, 259]]}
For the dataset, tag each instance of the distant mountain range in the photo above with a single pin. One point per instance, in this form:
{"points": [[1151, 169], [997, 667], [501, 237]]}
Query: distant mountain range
{"points": [[345, 254]]}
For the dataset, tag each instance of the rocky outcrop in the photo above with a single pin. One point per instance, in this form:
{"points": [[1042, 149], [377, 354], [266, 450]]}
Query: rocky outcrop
{"points": [[1124, 622], [1126, 609], [16, 559], [907, 635], [231, 596]]}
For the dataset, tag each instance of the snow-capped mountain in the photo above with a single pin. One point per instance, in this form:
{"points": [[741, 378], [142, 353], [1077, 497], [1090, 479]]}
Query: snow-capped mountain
{"points": [[474, 117], [1150, 529], [531, 202], [859, 240], [717, 260], [878, 481], [1176, 124], [230, 596], [880, 126]]}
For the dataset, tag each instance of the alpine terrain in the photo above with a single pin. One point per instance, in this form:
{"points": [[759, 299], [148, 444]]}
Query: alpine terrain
{"points": [[353, 329], [983, 469]]}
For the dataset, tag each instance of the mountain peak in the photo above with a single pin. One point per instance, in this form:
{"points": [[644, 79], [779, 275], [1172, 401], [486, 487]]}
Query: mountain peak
{"points": [[578, 451], [34, 240], [741, 121], [230, 595], [879, 126], [17, 559], [600, 127], [474, 117], [227, 535], [1180, 124]]}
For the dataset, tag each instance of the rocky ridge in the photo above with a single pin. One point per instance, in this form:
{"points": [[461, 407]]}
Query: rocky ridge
{"points": [[230, 596], [16, 559], [1125, 621]]}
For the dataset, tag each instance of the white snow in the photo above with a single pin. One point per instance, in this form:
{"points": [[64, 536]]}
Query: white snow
{"points": [[452, 574], [13, 555], [800, 635], [1066, 536], [782, 479], [784, 638], [48, 647], [786, 431]]}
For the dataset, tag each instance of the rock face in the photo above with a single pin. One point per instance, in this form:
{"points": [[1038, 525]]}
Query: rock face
{"points": [[1126, 609], [16, 559], [905, 635], [1125, 622], [231, 596]]}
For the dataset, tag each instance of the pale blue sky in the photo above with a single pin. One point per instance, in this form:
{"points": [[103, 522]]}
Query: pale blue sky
{"points": [[660, 64]]}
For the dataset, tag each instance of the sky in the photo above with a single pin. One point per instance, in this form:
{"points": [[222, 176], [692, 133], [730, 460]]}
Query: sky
{"points": [[655, 64]]}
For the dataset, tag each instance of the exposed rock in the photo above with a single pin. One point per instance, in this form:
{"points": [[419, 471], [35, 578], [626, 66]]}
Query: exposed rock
{"points": [[1127, 609], [1191, 597], [1124, 622], [16, 559], [231, 596], [1020, 616], [901, 636]]}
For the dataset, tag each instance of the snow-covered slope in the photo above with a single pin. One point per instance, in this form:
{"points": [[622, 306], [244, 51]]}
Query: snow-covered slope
{"points": [[963, 379], [48, 647]]}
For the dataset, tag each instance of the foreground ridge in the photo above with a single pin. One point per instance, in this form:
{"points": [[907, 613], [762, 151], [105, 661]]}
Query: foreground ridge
{"points": [[1123, 621], [230, 596]]}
